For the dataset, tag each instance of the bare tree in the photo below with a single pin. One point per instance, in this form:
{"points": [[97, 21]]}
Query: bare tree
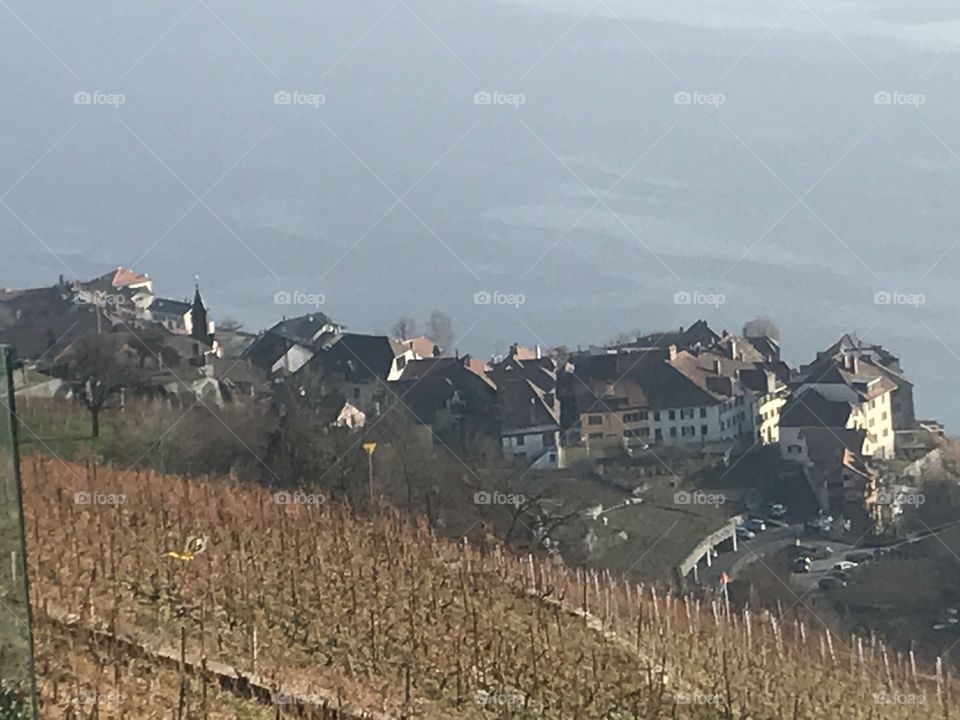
{"points": [[440, 330], [761, 326], [405, 328], [100, 371]]}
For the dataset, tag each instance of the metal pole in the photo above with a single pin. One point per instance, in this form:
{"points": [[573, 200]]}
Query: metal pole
{"points": [[10, 483], [370, 475]]}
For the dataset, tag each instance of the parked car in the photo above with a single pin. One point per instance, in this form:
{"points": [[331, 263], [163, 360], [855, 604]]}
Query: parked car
{"points": [[859, 556], [745, 534], [778, 511], [801, 565], [828, 583], [844, 565], [755, 525], [840, 575]]}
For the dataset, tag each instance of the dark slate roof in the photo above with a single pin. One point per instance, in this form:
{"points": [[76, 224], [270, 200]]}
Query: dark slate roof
{"points": [[170, 307], [360, 358], [302, 329], [811, 409], [523, 405]]}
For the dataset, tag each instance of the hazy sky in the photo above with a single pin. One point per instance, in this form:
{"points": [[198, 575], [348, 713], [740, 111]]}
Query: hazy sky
{"points": [[777, 181]]}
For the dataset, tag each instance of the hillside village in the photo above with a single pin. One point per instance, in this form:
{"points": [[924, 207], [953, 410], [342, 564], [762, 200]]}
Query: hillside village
{"points": [[694, 459], [841, 418]]}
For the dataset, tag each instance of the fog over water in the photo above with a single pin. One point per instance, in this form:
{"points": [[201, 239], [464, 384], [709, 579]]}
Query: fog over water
{"points": [[793, 158]]}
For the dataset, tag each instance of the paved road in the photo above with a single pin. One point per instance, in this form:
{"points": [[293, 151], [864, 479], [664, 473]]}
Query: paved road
{"points": [[748, 551]]}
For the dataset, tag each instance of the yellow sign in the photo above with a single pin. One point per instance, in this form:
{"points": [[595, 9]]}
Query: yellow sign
{"points": [[370, 447]]}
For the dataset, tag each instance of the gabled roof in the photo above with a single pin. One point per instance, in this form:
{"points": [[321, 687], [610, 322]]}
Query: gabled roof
{"points": [[421, 346], [359, 358], [449, 367], [811, 409], [124, 277], [170, 307], [523, 405]]}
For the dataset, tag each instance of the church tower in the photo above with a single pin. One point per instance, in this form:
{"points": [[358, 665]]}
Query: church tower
{"points": [[198, 317]]}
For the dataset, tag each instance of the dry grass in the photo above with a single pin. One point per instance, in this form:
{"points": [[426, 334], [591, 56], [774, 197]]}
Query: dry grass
{"points": [[384, 615]]}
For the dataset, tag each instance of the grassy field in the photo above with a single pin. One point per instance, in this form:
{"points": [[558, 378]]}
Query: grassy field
{"points": [[318, 602]]}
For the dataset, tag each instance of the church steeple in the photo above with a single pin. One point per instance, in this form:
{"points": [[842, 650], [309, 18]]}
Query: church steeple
{"points": [[198, 316]]}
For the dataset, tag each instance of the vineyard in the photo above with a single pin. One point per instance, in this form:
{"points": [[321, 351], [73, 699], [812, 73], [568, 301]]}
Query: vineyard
{"points": [[157, 588]]}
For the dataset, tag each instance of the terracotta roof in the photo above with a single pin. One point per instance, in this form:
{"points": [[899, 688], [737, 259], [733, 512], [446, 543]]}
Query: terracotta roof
{"points": [[125, 276]]}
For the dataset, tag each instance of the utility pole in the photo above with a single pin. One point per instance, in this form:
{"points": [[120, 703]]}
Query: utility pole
{"points": [[369, 448]]}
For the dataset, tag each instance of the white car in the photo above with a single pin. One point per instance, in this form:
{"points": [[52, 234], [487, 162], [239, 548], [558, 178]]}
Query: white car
{"points": [[744, 534], [844, 565]]}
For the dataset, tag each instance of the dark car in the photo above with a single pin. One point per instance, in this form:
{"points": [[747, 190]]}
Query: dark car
{"points": [[859, 556], [801, 565], [830, 582]]}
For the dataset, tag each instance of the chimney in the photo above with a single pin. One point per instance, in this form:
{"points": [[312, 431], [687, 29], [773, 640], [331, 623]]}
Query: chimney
{"points": [[733, 350], [717, 366], [672, 352], [854, 365], [539, 352]]}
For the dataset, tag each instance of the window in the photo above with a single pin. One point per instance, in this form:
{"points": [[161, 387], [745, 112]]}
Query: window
{"points": [[703, 429], [658, 434], [644, 415], [793, 449], [633, 432], [673, 414], [673, 432], [884, 416], [356, 393], [886, 432], [656, 416], [631, 417], [703, 412], [686, 414], [521, 440], [595, 420], [596, 436], [644, 432], [688, 431], [401, 362]]}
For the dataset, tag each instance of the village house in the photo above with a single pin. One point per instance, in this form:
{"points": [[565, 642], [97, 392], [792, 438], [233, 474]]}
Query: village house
{"points": [[849, 346], [452, 399], [289, 344], [845, 380], [677, 397], [528, 407]]}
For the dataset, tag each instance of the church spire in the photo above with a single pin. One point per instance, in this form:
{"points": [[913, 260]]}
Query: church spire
{"points": [[198, 315]]}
